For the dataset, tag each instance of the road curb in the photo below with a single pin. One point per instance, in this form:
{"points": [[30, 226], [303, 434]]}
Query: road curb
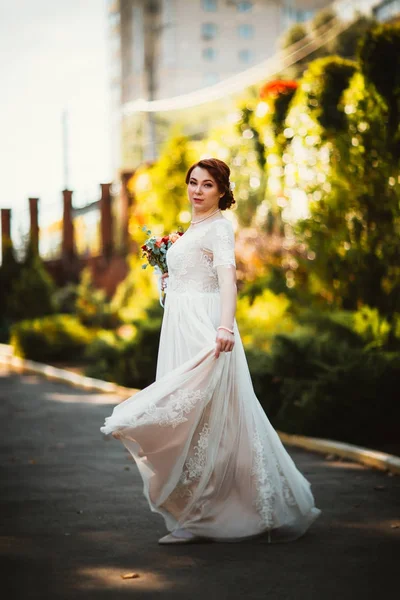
{"points": [[23, 365], [370, 458]]}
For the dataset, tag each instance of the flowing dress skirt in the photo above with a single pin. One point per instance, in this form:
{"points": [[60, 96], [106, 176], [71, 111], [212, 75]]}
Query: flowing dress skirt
{"points": [[210, 460]]}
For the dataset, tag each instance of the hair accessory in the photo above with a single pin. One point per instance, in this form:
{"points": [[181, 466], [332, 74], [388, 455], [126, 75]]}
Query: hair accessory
{"points": [[226, 329]]}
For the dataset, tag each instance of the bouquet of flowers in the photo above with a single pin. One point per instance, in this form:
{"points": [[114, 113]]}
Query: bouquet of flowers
{"points": [[155, 250]]}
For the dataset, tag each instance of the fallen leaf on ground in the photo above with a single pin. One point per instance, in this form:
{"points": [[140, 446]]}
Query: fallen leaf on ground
{"points": [[379, 487], [130, 575]]}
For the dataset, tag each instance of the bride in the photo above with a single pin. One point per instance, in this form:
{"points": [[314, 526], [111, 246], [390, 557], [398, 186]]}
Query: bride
{"points": [[212, 464]]}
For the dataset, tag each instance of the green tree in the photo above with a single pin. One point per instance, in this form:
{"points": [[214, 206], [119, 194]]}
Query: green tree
{"points": [[91, 304], [294, 35], [347, 42], [32, 291], [379, 57], [323, 18], [354, 224], [160, 189], [9, 273]]}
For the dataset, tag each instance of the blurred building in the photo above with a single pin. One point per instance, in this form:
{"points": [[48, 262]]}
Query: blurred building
{"points": [[387, 11], [164, 48]]}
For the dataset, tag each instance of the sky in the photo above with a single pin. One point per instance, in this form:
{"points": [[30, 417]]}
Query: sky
{"points": [[53, 57]]}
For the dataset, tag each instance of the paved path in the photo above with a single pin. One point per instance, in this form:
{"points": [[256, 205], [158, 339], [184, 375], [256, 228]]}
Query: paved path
{"points": [[73, 519]]}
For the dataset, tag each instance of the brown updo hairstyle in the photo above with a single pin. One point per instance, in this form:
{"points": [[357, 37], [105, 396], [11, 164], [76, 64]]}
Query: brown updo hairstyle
{"points": [[220, 172]]}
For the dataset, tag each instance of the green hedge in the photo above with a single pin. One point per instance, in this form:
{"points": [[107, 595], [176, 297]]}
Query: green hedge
{"points": [[324, 386], [31, 295], [131, 362], [56, 337], [379, 57], [91, 304], [9, 273], [323, 85]]}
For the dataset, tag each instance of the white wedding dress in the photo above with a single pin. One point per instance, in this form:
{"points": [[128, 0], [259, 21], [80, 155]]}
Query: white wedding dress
{"points": [[210, 461]]}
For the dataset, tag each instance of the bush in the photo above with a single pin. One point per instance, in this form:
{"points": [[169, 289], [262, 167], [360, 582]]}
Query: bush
{"points": [[379, 56], [32, 291], [260, 318], [323, 85], [9, 273], [135, 293], [65, 298], [319, 385], [56, 337], [91, 305], [351, 231], [266, 385], [294, 35], [347, 42], [131, 362]]}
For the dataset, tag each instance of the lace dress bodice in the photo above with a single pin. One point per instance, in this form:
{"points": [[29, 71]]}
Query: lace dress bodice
{"points": [[193, 259]]}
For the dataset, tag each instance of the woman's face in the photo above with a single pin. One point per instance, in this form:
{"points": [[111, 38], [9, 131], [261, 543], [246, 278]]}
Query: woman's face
{"points": [[203, 191]]}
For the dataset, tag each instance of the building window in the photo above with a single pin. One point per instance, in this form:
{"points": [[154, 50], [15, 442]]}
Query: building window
{"points": [[209, 54], [246, 55], [246, 32], [386, 10], [297, 15], [304, 15], [208, 31], [210, 78], [244, 6], [209, 5]]}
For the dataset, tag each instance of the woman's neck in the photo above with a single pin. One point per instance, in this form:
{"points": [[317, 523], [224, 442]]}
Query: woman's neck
{"points": [[202, 216]]}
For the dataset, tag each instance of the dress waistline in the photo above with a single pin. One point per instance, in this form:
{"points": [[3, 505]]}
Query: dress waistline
{"points": [[191, 293]]}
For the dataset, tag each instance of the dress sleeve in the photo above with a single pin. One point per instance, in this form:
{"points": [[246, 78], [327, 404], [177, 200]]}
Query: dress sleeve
{"points": [[221, 241]]}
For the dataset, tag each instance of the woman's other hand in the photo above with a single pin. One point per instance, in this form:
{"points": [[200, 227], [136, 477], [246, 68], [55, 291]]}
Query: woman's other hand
{"points": [[164, 281], [225, 342]]}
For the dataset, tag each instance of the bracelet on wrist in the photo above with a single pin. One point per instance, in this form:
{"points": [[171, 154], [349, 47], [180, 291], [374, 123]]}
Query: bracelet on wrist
{"points": [[226, 329]]}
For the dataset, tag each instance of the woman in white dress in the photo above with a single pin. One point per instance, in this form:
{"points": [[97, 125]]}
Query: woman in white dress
{"points": [[212, 464]]}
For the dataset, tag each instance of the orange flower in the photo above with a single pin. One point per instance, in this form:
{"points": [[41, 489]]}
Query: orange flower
{"points": [[159, 242], [278, 86]]}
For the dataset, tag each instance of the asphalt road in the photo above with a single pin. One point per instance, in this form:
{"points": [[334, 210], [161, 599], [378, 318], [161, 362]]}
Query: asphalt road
{"points": [[73, 519]]}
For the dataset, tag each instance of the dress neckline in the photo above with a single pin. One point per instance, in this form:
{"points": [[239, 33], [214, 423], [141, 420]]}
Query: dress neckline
{"points": [[196, 227], [193, 228]]}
